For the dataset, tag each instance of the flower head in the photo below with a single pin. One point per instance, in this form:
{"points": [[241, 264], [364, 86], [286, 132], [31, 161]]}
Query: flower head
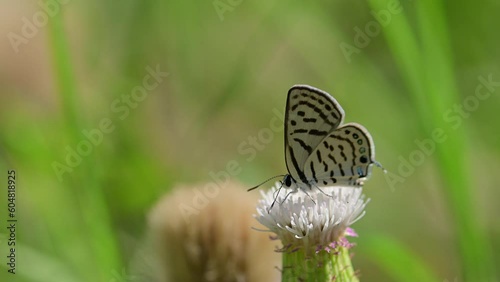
{"points": [[313, 220], [207, 237]]}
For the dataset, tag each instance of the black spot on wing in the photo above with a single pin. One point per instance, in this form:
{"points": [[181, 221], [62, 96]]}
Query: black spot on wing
{"points": [[318, 111], [341, 170], [363, 159], [318, 154], [318, 132], [332, 158], [351, 144], [351, 181], [301, 174], [309, 120], [342, 154], [299, 131], [303, 145], [313, 172]]}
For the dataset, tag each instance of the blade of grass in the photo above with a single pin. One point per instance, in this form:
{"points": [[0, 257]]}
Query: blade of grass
{"points": [[429, 75], [42, 267], [406, 52], [396, 260], [442, 93], [104, 253]]}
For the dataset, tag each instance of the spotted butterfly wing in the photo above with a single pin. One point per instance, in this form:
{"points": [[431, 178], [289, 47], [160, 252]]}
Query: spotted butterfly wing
{"points": [[310, 116], [344, 157], [319, 150]]}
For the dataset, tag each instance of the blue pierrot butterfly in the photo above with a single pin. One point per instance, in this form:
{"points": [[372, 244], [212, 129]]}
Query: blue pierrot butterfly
{"points": [[320, 150]]}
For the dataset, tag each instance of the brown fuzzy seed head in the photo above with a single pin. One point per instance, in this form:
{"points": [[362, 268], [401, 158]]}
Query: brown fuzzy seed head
{"points": [[201, 236]]}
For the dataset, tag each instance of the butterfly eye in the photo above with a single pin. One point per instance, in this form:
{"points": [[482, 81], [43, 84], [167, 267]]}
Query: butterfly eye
{"points": [[288, 180]]}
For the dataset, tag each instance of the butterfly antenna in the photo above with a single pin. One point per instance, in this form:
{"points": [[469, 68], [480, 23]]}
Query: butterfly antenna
{"points": [[380, 165], [255, 187]]}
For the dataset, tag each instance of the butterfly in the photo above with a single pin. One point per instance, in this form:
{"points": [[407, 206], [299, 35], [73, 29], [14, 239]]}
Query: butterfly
{"points": [[320, 150]]}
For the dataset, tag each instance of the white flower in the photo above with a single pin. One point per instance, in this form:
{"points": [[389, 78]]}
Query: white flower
{"points": [[314, 220]]}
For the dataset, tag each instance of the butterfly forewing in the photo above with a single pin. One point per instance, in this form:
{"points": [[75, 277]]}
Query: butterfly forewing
{"points": [[311, 115], [342, 158]]}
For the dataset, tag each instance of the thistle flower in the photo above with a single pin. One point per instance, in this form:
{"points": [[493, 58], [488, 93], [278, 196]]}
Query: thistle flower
{"points": [[312, 228]]}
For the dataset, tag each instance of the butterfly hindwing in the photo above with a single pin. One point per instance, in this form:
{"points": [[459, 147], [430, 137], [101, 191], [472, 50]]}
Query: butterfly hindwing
{"points": [[342, 158], [310, 116]]}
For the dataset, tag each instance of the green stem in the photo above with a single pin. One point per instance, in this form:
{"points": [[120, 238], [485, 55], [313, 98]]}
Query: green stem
{"points": [[322, 266]]}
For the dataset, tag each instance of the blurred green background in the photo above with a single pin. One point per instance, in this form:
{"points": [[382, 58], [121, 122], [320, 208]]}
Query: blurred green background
{"points": [[230, 65]]}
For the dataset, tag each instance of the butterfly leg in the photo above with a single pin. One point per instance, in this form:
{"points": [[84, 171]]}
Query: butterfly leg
{"points": [[276, 194], [322, 191], [293, 191], [328, 195], [309, 196]]}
